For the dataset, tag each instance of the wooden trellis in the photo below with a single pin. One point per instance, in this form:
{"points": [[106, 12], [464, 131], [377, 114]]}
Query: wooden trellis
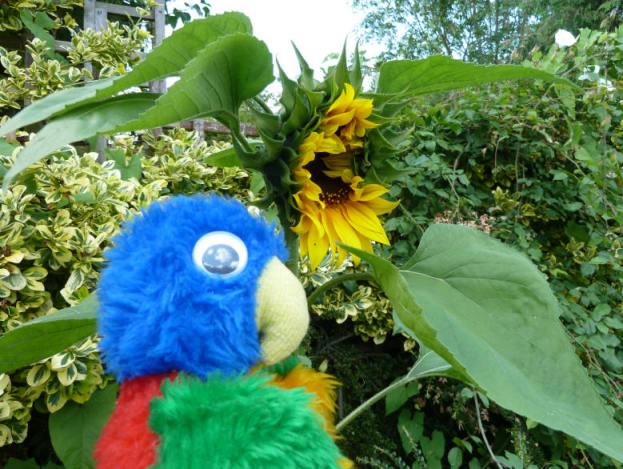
{"points": [[95, 16], [97, 13]]}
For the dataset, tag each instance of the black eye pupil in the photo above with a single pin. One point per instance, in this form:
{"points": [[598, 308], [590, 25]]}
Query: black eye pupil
{"points": [[220, 259]]}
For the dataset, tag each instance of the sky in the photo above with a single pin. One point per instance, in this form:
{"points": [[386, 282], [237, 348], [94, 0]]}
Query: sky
{"points": [[317, 27]]}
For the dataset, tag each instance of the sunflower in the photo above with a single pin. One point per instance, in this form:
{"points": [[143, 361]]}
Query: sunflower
{"points": [[335, 204], [348, 116]]}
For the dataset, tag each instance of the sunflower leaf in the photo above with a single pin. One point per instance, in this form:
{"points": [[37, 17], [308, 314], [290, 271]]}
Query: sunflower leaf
{"points": [[439, 73], [44, 336], [486, 310], [215, 83], [78, 124], [167, 59], [38, 26], [226, 158]]}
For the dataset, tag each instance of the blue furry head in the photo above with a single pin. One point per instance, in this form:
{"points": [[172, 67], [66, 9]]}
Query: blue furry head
{"points": [[160, 312]]}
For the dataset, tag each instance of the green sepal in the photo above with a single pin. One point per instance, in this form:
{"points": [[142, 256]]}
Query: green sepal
{"points": [[290, 155], [315, 98], [339, 75], [288, 91], [254, 158], [264, 121], [307, 74], [286, 175], [356, 76], [273, 144], [300, 113]]}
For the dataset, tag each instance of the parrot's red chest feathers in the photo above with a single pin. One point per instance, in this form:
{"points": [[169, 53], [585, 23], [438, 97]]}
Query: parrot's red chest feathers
{"points": [[127, 436]]}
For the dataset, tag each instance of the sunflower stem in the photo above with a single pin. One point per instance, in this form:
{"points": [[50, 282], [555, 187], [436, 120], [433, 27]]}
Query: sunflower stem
{"points": [[292, 243], [336, 281], [291, 238], [373, 400], [263, 105], [240, 138]]}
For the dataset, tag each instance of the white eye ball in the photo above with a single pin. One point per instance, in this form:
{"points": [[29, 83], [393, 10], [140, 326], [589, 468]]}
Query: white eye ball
{"points": [[221, 254]]}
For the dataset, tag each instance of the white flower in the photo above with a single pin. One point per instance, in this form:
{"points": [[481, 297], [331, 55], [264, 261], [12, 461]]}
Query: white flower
{"points": [[564, 38]]}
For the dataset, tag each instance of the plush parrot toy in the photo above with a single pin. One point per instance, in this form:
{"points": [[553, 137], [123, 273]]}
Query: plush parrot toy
{"points": [[196, 303]]}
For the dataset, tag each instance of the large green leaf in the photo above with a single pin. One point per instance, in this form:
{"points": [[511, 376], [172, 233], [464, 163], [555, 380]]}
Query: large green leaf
{"points": [[78, 124], [75, 428], [169, 58], [486, 308], [215, 83], [227, 158], [47, 335], [440, 73]]}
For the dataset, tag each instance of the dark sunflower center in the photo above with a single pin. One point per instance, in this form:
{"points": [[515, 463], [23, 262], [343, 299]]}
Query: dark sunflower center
{"points": [[334, 190]]}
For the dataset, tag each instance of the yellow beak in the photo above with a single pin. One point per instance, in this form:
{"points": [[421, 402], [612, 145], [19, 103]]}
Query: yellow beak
{"points": [[281, 312]]}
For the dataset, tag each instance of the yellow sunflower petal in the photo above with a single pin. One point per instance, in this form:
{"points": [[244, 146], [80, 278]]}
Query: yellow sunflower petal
{"points": [[343, 228], [371, 192], [365, 222], [343, 101], [363, 107], [306, 158], [333, 238], [355, 143], [365, 244], [330, 124], [331, 144], [381, 206], [317, 247], [362, 126], [348, 131]]}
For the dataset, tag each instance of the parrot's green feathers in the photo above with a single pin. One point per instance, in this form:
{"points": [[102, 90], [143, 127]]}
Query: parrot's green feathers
{"points": [[238, 422]]}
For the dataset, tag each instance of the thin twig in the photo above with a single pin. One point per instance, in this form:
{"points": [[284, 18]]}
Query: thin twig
{"points": [[369, 403], [406, 213], [334, 342], [482, 433], [586, 460]]}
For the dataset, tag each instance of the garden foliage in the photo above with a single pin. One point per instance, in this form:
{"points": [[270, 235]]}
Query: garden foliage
{"points": [[540, 171], [518, 160]]}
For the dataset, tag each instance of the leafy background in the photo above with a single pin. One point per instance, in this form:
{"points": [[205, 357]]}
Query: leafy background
{"points": [[522, 161]]}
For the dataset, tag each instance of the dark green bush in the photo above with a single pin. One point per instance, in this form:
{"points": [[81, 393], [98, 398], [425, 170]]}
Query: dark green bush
{"points": [[541, 170]]}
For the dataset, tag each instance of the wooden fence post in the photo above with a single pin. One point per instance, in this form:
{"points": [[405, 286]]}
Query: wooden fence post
{"points": [[95, 17]]}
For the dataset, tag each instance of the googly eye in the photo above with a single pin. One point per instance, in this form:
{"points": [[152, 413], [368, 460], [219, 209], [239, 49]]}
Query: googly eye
{"points": [[221, 254]]}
